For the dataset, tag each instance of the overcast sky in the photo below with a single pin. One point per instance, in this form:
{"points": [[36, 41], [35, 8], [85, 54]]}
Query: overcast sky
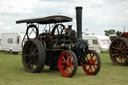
{"points": [[98, 15]]}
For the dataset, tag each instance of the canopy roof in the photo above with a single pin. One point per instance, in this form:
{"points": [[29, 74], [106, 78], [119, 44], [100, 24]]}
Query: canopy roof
{"points": [[47, 20]]}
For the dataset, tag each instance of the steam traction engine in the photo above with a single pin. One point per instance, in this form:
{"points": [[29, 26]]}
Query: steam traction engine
{"points": [[58, 46], [119, 48]]}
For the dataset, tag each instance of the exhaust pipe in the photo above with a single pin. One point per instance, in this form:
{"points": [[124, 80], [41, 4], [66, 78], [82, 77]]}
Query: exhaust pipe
{"points": [[79, 22]]}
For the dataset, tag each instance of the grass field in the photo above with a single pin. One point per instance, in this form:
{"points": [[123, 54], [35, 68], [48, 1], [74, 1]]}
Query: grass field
{"points": [[12, 73]]}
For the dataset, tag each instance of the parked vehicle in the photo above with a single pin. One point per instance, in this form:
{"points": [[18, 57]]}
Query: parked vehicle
{"points": [[11, 42], [118, 49], [58, 46], [97, 42]]}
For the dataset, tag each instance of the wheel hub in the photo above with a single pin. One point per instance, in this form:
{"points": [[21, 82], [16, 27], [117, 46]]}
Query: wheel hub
{"points": [[91, 62], [68, 63]]}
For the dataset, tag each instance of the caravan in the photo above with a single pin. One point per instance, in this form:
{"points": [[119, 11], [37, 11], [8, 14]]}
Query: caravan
{"points": [[97, 42], [11, 42]]}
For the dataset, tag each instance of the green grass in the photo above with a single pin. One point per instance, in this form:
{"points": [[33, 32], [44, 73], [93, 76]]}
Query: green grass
{"points": [[12, 73]]}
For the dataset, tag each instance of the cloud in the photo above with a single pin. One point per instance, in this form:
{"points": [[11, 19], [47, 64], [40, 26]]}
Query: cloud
{"points": [[7, 27], [1, 23], [116, 1], [97, 14], [17, 6], [126, 11]]}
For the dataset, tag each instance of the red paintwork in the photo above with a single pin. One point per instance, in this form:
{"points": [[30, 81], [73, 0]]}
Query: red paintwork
{"points": [[66, 70], [92, 66], [125, 34], [51, 36]]}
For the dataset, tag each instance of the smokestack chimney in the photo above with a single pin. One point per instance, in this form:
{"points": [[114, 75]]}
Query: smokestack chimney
{"points": [[79, 22]]}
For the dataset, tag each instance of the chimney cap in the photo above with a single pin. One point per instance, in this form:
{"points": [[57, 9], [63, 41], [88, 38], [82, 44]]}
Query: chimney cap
{"points": [[79, 7]]}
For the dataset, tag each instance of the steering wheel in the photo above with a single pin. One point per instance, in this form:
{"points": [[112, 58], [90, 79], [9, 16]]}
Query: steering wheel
{"points": [[58, 30], [31, 33]]}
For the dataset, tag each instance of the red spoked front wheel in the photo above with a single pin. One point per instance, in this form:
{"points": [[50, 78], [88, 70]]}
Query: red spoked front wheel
{"points": [[68, 63], [92, 63]]}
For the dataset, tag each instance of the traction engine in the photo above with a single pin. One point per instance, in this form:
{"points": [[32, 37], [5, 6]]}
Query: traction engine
{"points": [[58, 46], [119, 48]]}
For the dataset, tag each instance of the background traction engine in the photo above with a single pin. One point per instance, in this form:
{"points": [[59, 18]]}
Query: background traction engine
{"points": [[119, 48], [59, 47]]}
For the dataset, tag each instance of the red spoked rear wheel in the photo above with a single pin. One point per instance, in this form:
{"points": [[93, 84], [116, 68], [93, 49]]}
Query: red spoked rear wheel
{"points": [[92, 63], [68, 63]]}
